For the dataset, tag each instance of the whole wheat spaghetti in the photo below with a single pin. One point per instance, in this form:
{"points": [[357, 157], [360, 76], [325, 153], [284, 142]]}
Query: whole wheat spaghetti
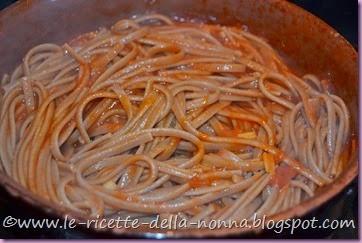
{"points": [[152, 117]]}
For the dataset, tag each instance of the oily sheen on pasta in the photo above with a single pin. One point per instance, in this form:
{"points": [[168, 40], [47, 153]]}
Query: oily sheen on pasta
{"points": [[153, 117]]}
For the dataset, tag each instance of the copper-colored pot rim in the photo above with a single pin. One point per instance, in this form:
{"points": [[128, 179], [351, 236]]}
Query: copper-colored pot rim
{"points": [[307, 206]]}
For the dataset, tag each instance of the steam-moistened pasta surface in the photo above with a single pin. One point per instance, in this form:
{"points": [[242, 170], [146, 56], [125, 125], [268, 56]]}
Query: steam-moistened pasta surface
{"points": [[152, 117]]}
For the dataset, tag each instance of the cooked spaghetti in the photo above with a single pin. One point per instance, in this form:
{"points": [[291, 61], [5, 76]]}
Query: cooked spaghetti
{"points": [[152, 117]]}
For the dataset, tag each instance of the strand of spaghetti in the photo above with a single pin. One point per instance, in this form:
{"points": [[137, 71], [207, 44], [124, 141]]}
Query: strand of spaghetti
{"points": [[250, 117], [247, 196], [164, 207], [268, 203]]}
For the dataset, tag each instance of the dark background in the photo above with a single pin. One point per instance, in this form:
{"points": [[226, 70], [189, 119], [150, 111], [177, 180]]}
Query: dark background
{"points": [[340, 14]]}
